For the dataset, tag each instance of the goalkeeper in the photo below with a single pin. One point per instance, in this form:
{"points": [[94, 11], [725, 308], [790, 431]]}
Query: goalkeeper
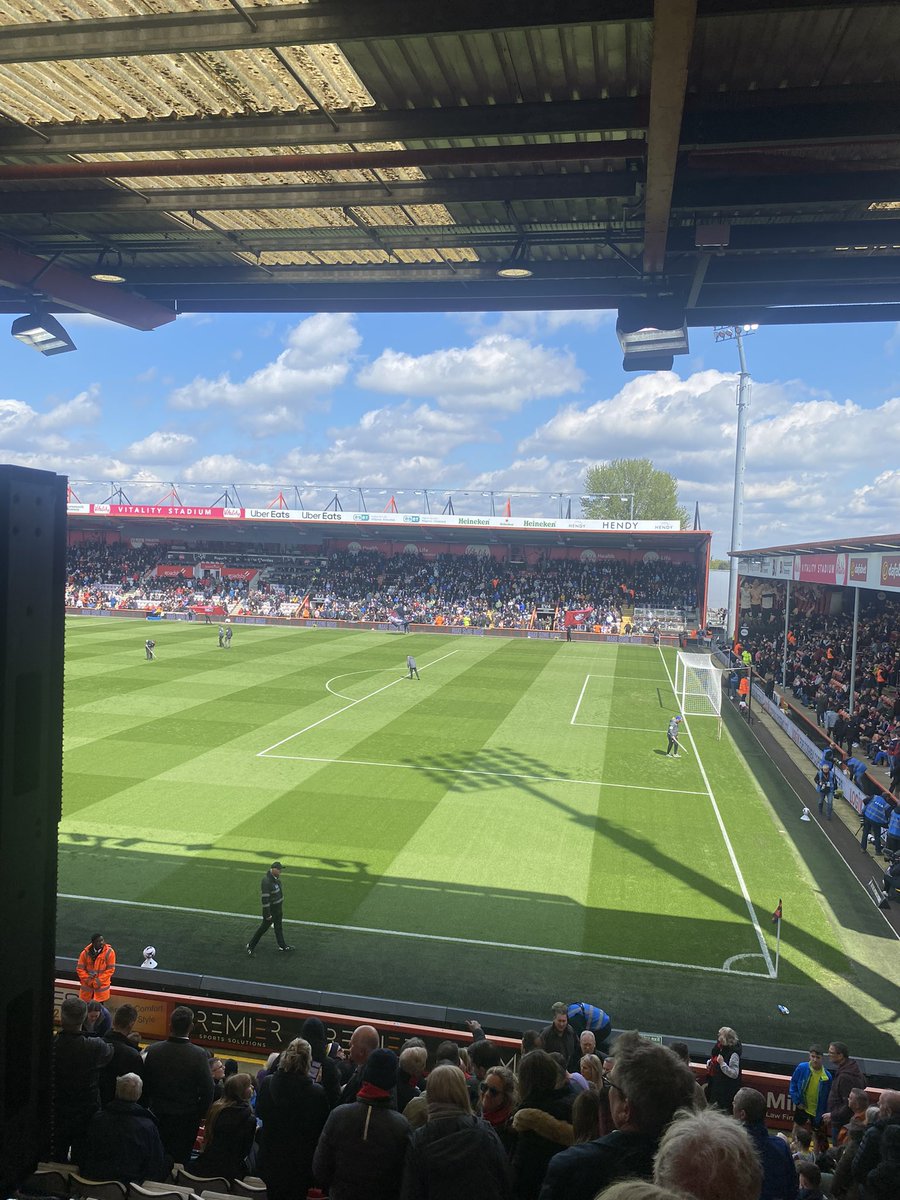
{"points": [[672, 732]]}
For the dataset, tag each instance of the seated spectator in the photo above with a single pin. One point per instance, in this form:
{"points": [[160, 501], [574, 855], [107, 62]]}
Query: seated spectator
{"points": [[229, 1132], [499, 1097], [810, 1179], [779, 1173], [881, 1181], [363, 1146], [542, 1122], [293, 1111], [647, 1085], [123, 1140], [868, 1156], [454, 1154], [709, 1156]]}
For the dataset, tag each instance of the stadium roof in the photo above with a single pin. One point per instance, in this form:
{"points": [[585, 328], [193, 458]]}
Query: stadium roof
{"points": [[859, 545], [742, 156]]}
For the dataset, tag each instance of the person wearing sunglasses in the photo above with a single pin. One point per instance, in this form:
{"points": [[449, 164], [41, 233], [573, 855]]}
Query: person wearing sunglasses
{"points": [[499, 1096]]}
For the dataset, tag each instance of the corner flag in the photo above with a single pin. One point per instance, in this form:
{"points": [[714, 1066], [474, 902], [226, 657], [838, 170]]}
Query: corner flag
{"points": [[776, 915]]}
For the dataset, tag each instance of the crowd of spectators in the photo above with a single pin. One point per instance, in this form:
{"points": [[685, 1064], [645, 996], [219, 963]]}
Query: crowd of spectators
{"points": [[449, 589], [819, 666], [374, 1125]]}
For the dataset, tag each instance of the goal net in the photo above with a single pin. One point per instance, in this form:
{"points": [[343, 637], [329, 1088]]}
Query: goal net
{"points": [[698, 685]]}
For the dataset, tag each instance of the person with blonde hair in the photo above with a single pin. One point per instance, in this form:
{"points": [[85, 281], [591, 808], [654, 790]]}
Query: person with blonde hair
{"points": [[592, 1070], [640, 1189], [229, 1131], [709, 1156], [724, 1069], [499, 1096], [293, 1111], [454, 1153]]}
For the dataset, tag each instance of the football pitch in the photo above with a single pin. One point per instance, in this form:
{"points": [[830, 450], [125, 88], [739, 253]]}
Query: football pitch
{"points": [[501, 833]]}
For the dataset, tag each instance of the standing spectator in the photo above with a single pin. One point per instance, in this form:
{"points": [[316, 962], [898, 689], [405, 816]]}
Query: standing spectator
{"points": [[499, 1096], [542, 1122], [96, 964], [847, 1075], [869, 1154], [881, 1182], [709, 1156], [126, 1057], [178, 1085], [810, 1085], [123, 1140], [647, 1085], [228, 1132], [724, 1069], [561, 1038], [454, 1154], [858, 1102], [363, 1040], [363, 1146], [323, 1068], [779, 1172], [77, 1062], [683, 1054], [410, 1070], [272, 897], [293, 1111]]}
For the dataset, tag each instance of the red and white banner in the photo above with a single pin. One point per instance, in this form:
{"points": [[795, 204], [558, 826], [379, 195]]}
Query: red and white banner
{"points": [[578, 616], [168, 570], [890, 570]]}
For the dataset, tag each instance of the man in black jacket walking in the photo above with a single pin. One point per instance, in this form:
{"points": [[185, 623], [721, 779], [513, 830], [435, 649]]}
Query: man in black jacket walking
{"points": [[272, 906]]}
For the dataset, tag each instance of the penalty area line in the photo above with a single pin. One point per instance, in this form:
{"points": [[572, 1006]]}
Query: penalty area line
{"points": [[364, 762], [420, 937], [337, 713]]}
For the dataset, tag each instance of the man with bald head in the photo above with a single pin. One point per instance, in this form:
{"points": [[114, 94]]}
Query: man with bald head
{"points": [[868, 1156], [363, 1040]]}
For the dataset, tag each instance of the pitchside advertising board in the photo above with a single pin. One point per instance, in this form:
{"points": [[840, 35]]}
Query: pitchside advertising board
{"points": [[332, 517], [244, 1029], [875, 572]]}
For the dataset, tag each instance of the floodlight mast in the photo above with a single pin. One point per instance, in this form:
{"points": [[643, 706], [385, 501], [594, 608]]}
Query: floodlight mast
{"points": [[737, 333]]}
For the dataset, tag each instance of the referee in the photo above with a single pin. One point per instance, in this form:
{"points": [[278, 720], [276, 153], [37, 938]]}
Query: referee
{"points": [[272, 906]]}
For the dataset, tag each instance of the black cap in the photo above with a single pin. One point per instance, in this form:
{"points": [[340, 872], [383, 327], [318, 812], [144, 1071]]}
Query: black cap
{"points": [[276, 866]]}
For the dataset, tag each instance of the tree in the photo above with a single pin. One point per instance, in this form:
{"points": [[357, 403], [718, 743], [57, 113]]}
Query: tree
{"points": [[655, 492]]}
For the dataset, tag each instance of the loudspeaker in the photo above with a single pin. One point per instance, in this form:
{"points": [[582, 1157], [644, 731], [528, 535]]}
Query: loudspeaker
{"points": [[32, 583]]}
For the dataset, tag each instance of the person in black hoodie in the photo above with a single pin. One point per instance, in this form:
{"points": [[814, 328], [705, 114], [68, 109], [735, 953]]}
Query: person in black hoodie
{"points": [[324, 1069], [542, 1122], [293, 1111], [454, 1153], [363, 1146]]}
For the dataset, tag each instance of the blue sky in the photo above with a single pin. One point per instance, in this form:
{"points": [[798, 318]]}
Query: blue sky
{"points": [[509, 402]]}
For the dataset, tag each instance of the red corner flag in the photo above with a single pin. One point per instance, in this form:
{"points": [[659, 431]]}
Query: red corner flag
{"points": [[776, 915]]}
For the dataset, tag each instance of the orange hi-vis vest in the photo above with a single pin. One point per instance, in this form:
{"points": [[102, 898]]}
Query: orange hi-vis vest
{"points": [[95, 973]]}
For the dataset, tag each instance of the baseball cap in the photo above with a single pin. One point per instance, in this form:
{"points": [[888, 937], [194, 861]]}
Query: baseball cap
{"points": [[677, 718]]}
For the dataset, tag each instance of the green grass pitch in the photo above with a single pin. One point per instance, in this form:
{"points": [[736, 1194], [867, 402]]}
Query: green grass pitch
{"points": [[502, 833]]}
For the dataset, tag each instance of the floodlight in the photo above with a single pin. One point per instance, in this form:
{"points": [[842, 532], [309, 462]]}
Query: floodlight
{"points": [[109, 267], [516, 266], [650, 332], [42, 332]]}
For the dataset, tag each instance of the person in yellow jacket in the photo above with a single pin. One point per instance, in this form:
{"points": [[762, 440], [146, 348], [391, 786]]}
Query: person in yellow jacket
{"points": [[96, 964]]}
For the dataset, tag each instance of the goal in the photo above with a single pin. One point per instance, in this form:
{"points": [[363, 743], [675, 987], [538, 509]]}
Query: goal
{"points": [[698, 685]]}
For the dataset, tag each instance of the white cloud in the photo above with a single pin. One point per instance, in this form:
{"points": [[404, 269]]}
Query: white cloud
{"points": [[538, 323], [162, 447], [25, 428], [498, 374], [316, 361]]}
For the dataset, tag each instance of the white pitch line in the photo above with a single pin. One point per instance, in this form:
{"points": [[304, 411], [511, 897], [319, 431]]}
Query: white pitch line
{"points": [[347, 674], [628, 728], [422, 937], [580, 698], [364, 762], [338, 712], [731, 854]]}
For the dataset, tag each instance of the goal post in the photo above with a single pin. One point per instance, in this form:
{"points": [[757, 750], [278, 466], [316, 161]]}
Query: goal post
{"points": [[698, 685]]}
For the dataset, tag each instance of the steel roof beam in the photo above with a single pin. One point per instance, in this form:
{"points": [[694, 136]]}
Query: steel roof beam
{"points": [[481, 190], [673, 37], [304, 129], [698, 190]]}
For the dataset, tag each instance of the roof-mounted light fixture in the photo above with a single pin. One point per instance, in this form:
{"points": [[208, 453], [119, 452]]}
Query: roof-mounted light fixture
{"points": [[43, 333], [651, 332], [516, 266], [109, 267]]}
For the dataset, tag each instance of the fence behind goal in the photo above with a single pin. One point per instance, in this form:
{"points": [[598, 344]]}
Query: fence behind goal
{"points": [[698, 684]]}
